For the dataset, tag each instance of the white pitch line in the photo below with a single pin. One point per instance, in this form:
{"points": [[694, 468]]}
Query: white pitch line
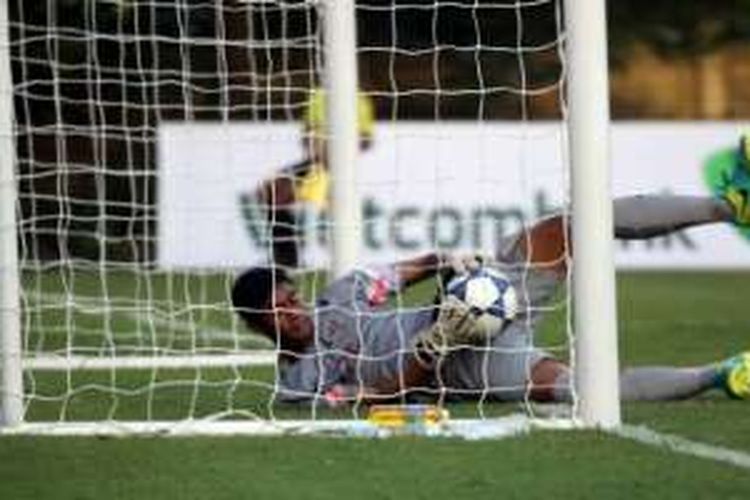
{"points": [[679, 444]]}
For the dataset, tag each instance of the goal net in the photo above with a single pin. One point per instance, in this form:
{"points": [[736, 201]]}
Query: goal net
{"points": [[162, 148]]}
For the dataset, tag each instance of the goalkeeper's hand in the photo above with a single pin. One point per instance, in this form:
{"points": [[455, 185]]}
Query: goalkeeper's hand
{"points": [[456, 325]]}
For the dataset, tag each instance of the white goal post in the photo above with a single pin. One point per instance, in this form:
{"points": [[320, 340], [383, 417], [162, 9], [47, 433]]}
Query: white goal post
{"points": [[341, 80], [596, 358], [11, 377], [161, 347]]}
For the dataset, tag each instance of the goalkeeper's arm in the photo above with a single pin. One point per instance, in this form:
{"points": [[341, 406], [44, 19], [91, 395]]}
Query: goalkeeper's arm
{"points": [[414, 375], [413, 271]]}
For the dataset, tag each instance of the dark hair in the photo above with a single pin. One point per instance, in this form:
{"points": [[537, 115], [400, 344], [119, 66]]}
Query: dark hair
{"points": [[252, 292]]}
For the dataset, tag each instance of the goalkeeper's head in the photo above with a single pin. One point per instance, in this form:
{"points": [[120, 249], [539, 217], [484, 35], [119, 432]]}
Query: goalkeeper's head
{"points": [[314, 121], [267, 301]]}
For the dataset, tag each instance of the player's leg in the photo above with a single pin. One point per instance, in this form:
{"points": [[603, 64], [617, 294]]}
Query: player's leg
{"points": [[635, 217], [542, 248], [654, 215], [546, 245], [540, 254], [551, 380], [499, 370], [647, 216]]}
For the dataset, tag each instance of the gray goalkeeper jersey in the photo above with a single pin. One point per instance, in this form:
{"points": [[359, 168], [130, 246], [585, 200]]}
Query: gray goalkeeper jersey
{"points": [[357, 342]]}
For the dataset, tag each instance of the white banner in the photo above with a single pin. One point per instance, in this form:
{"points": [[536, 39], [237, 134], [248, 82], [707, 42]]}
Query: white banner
{"points": [[422, 185]]}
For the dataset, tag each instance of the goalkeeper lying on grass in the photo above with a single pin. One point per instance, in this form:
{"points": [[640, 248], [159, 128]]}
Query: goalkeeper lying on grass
{"points": [[349, 347]]}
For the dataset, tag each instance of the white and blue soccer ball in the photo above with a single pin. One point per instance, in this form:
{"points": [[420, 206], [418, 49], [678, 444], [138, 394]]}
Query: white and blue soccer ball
{"points": [[489, 293]]}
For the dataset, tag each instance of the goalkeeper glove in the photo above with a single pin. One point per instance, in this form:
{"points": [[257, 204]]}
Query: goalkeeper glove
{"points": [[456, 325]]}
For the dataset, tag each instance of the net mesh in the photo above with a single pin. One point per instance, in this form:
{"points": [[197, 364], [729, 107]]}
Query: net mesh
{"points": [[157, 144]]}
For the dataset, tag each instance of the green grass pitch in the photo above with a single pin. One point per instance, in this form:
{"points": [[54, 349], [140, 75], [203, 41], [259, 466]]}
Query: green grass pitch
{"points": [[665, 318]]}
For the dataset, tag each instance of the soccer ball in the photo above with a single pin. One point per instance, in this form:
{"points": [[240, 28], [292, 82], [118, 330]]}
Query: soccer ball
{"points": [[489, 293]]}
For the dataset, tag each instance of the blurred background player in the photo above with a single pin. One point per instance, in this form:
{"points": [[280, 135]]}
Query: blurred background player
{"points": [[349, 348], [303, 186]]}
